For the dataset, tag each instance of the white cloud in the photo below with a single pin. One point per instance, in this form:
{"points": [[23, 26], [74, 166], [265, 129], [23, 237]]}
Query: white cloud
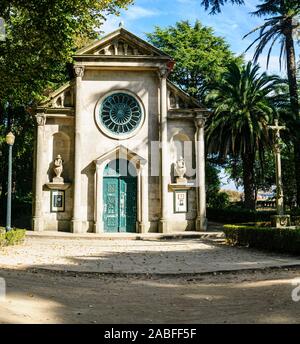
{"points": [[134, 13], [138, 12], [111, 24], [274, 66], [250, 6]]}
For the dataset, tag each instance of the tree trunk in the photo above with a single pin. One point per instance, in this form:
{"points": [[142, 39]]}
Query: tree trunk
{"points": [[248, 160], [293, 88]]}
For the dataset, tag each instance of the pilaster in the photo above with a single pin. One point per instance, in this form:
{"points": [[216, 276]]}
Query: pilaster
{"points": [[164, 161], [37, 221], [77, 218], [201, 221]]}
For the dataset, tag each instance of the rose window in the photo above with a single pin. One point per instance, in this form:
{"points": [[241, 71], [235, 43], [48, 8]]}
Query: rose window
{"points": [[120, 113]]}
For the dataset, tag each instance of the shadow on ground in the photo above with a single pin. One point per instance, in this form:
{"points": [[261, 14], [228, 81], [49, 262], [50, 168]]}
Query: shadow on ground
{"points": [[49, 297], [36, 296]]}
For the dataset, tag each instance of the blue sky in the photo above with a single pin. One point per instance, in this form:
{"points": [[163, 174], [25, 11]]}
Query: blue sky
{"points": [[232, 24]]}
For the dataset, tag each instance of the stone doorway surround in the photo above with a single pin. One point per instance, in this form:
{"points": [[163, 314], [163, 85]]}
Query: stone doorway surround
{"points": [[140, 163]]}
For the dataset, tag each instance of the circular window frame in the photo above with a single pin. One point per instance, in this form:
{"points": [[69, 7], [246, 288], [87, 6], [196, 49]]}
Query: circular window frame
{"points": [[105, 130]]}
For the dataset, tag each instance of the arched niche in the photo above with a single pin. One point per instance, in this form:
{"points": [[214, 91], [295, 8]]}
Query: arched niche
{"points": [[61, 143], [181, 145]]}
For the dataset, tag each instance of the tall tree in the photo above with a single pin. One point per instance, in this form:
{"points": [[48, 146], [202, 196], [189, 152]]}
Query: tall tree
{"points": [[282, 26], [239, 127], [41, 37], [201, 57]]}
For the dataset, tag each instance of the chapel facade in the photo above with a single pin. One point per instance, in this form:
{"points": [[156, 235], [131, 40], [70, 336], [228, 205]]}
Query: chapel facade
{"points": [[120, 148]]}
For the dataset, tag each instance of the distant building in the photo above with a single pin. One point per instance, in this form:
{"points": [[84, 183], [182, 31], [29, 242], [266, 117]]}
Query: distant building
{"points": [[265, 195]]}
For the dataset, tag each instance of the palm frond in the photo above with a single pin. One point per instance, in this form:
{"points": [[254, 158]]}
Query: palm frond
{"points": [[215, 5]]}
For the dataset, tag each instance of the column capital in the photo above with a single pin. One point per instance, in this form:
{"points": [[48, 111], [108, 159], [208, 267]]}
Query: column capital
{"points": [[79, 71], [40, 119], [163, 72], [200, 121]]}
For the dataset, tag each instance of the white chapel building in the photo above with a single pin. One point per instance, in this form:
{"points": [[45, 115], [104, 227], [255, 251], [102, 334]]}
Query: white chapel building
{"points": [[120, 148]]}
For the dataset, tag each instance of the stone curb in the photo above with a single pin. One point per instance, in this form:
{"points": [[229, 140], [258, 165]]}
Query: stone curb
{"points": [[150, 236], [75, 273]]}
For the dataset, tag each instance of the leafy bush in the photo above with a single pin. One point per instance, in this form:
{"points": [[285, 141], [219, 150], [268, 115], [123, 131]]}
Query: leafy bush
{"points": [[238, 215], [295, 211], [284, 240], [13, 237], [2, 237], [21, 212], [219, 200]]}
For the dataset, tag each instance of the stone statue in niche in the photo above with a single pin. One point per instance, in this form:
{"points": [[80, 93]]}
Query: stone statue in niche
{"points": [[180, 169], [58, 169]]}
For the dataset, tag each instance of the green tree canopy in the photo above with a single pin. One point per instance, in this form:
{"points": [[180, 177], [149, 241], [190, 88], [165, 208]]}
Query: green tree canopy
{"points": [[41, 37], [281, 26], [201, 57], [35, 58], [243, 104]]}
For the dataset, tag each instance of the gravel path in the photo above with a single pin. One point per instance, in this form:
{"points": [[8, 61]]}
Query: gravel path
{"points": [[52, 297], [137, 256]]}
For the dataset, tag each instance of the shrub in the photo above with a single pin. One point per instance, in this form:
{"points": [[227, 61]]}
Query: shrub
{"points": [[2, 237], [295, 211], [219, 200], [238, 215], [22, 212], [285, 240], [13, 237]]}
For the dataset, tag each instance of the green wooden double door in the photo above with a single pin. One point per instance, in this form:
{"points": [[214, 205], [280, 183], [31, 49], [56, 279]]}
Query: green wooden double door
{"points": [[120, 204]]}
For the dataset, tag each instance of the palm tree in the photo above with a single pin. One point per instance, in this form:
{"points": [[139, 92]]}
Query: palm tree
{"points": [[215, 5], [282, 26], [239, 126]]}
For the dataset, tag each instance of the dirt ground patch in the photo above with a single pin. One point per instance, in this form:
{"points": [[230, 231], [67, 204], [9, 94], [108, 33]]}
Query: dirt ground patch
{"points": [[186, 256], [52, 297]]}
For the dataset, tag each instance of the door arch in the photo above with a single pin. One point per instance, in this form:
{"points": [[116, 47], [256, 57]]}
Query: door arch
{"points": [[119, 196]]}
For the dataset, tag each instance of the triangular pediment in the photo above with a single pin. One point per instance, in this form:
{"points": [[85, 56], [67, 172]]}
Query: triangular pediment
{"points": [[121, 43], [120, 151], [63, 97], [178, 99]]}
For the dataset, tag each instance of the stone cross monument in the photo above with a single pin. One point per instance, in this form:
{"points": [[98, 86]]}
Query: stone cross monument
{"points": [[280, 220]]}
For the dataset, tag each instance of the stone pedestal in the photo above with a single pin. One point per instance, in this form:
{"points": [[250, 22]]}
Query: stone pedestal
{"points": [[58, 186], [181, 181], [58, 180], [280, 221]]}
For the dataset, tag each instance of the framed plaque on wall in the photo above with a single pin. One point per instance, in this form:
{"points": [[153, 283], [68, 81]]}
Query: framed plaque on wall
{"points": [[57, 201], [180, 201]]}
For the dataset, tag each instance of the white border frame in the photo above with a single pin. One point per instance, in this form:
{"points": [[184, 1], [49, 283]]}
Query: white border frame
{"points": [[54, 193], [107, 132]]}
